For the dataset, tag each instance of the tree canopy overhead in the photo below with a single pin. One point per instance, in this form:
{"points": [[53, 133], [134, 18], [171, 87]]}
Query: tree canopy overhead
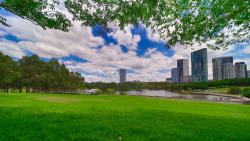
{"points": [[39, 12], [225, 22]]}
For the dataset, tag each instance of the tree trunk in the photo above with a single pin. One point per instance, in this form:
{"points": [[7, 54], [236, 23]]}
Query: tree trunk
{"points": [[27, 90], [20, 90]]}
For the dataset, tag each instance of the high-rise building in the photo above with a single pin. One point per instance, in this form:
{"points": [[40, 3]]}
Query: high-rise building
{"points": [[217, 68], [175, 75], [183, 67], [248, 73], [169, 80], [223, 68], [187, 79], [123, 75], [199, 65], [228, 71], [240, 69]]}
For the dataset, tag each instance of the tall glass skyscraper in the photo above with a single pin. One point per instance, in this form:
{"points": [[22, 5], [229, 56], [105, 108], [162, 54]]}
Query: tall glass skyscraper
{"points": [[123, 75], [240, 70], [223, 68], [199, 65], [175, 75], [183, 67]]}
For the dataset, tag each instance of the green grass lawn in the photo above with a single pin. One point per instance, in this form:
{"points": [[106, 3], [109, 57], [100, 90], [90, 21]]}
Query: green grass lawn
{"points": [[39, 117]]}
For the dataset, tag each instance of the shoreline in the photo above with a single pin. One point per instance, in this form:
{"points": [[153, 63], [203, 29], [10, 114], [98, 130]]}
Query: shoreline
{"points": [[234, 98]]}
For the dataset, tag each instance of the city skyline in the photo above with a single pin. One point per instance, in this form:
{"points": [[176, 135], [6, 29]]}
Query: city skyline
{"points": [[223, 68], [98, 57]]}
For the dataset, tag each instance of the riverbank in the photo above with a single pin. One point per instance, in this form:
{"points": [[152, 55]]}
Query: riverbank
{"points": [[223, 92], [234, 98], [187, 95]]}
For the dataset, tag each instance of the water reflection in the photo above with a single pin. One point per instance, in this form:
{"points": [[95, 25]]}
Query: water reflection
{"points": [[167, 94]]}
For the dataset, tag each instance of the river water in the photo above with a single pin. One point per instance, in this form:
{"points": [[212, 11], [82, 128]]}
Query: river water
{"points": [[167, 94]]}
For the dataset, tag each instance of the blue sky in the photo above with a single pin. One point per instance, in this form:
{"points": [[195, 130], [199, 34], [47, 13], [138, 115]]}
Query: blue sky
{"points": [[98, 54]]}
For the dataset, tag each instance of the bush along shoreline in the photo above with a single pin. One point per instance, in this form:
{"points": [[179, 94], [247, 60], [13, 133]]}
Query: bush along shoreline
{"points": [[202, 86]]}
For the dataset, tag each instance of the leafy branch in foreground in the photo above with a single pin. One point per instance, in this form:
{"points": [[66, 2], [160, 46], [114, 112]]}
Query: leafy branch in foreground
{"points": [[218, 23], [178, 21], [39, 12]]}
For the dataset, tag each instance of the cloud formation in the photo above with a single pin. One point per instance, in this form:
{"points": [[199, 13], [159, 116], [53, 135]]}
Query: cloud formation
{"points": [[103, 60]]}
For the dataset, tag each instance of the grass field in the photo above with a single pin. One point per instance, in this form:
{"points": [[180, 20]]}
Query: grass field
{"points": [[39, 117]]}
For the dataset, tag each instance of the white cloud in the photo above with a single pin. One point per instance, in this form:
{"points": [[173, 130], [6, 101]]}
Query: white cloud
{"points": [[154, 35], [11, 49], [246, 49], [126, 38], [103, 64], [54, 43]]}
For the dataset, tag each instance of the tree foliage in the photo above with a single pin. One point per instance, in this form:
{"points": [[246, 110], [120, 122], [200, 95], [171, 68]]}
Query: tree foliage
{"points": [[168, 86], [234, 90], [39, 12], [178, 21], [35, 75], [218, 23], [246, 92], [8, 71]]}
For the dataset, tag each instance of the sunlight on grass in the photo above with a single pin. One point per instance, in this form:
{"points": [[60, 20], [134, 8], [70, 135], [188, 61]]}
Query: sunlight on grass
{"points": [[106, 118]]}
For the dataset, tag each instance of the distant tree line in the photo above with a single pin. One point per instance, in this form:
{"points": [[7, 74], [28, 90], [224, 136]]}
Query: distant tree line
{"points": [[129, 86], [218, 84], [32, 74], [168, 86]]}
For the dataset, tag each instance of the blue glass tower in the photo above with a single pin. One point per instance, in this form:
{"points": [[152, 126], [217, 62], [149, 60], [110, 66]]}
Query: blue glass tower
{"points": [[123, 73], [199, 65], [183, 67], [175, 75]]}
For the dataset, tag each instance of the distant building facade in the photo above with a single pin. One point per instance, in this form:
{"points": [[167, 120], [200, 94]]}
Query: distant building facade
{"points": [[199, 65], [223, 68], [169, 80], [123, 73], [187, 79], [240, 70], [228, 71], [248, 73], [175, 75], [183, 68]]}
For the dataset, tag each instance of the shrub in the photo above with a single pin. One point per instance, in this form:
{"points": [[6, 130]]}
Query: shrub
{"points": [[234, 90], [175, 87], [246, 92], [98, 91], [110, 91]]}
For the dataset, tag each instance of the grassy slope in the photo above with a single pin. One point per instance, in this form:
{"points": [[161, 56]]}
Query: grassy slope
{"points": [[106, 118]]}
